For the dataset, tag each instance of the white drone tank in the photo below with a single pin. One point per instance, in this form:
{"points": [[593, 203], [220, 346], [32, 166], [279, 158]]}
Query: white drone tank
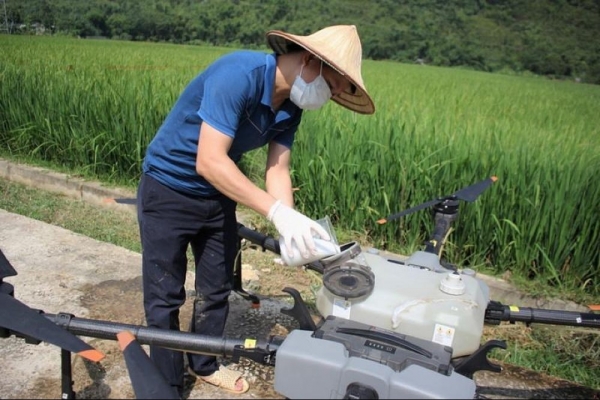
{"points": [[417, 297]]}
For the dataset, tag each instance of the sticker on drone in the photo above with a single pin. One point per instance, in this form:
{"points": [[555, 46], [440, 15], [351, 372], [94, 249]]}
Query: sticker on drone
{"points": [[341, 308], [443, 335]]}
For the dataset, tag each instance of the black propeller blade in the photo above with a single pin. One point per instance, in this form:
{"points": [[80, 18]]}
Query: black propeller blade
{"points": [[16, 316], [146, 379], [121, 200], [6, 269], [469, 193], [19, 318]]}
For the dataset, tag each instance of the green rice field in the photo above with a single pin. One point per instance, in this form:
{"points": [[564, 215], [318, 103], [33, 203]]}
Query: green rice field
{"points": [[92, 106]]}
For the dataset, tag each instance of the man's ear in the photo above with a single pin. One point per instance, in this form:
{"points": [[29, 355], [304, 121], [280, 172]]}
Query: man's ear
{"points": [[306, 57]]}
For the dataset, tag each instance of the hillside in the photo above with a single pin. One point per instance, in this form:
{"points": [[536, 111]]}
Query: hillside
{"points": [[554, 38]]}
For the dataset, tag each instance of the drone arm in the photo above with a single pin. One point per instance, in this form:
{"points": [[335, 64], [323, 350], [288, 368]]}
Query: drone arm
{"points": [[444, 214], [260, 351], [438, 237], [264, 241], [269, 243], [497, 312]]}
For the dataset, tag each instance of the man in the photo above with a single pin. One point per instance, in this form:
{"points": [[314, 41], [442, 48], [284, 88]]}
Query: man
{"points": [[191, 183]]}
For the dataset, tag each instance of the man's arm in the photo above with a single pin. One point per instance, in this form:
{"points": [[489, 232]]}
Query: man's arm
{"points": [[213, 163], [277, 174]]}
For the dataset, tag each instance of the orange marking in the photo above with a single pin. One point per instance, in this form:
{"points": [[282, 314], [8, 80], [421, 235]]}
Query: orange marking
{"points": [[594, 307], [382, 221], [92, 355], [108, 200], [494, 178]]}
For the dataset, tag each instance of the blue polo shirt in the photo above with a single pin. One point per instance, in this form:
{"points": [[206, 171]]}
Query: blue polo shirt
{"points": [[232, 95]]}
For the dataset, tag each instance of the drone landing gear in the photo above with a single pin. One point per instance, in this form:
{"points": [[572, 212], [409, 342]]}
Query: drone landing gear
{"points": [[237, 281], [478, 361], [66, 375], [66, 366], [299, 311]]}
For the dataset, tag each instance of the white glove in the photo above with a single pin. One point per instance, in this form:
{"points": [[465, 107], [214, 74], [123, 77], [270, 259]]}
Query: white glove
{"points": [[294, 226]]}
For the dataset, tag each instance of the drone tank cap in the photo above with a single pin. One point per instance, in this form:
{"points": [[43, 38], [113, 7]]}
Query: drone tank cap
{"points": [[453, 284]]}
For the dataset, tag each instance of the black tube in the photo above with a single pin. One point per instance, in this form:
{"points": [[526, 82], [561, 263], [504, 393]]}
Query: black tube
{"points": [[497, 312], [269, 243], [174, 340], [444, 214], [266, 242], [554, 317], [66, 375]]}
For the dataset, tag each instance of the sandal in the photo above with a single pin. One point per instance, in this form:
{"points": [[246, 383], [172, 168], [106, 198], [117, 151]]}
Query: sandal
{"points": [[226, 379]]}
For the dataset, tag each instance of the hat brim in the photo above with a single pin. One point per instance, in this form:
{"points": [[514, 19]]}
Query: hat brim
{"points": [[359, 101]]}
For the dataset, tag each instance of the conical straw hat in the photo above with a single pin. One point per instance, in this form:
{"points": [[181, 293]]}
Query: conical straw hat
{"points": [[339, 46]]}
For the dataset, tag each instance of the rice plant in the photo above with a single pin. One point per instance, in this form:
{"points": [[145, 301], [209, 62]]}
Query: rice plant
{"points": [[94, 105]]}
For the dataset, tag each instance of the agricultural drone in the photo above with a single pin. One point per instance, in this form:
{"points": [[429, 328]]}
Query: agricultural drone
{"points": [[390, 327]]}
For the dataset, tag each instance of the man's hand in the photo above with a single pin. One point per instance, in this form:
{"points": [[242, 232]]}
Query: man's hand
{"points": [[294, 226]]}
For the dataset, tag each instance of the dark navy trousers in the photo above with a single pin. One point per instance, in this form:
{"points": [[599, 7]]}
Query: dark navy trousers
{"points": [[169, 222]]}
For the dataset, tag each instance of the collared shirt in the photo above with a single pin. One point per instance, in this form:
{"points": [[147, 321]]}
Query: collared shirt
{"points": [[233, 95]]}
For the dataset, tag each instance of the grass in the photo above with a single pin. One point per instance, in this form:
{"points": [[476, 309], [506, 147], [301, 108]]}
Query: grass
{"points": [[570, 354], [98, 223], [93, 106]]}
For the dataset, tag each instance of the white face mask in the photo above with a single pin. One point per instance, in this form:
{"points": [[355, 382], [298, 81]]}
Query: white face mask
{"points": [[310, 96]]}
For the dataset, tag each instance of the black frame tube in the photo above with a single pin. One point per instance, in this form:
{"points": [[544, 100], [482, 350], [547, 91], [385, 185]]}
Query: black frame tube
{"points": [[264, 241], [174, 340], [497, 312], [267, 242]]}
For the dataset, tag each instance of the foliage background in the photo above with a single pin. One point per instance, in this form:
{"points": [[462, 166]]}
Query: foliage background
{"points": [[555, 38]]}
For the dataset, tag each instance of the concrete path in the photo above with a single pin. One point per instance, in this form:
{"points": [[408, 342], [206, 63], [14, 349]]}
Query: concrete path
{"points": [[56, 270]]}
